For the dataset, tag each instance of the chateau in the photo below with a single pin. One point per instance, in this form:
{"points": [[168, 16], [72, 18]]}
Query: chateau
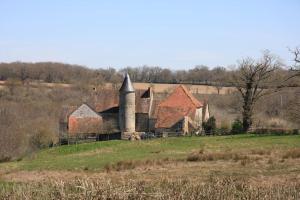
{"points": [[129, 112]]}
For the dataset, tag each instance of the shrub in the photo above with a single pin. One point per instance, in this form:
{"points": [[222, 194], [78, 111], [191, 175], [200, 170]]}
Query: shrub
{"points": [[42, 138], [210, 125], [237, 127]]}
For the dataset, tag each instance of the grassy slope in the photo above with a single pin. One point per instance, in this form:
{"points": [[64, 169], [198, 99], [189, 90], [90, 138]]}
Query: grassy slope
{"points": [[95, 156]]}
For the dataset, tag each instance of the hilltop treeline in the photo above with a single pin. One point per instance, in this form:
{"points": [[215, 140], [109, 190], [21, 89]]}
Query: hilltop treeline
{"points": [[51, 72]]}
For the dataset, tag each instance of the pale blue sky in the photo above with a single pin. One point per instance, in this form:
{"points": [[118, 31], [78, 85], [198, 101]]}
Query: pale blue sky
{"points": [[168, 33]]}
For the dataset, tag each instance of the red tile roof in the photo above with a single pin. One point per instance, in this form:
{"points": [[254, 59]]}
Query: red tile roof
{"points": [[181, 96], [169, 116], [178, 104]]}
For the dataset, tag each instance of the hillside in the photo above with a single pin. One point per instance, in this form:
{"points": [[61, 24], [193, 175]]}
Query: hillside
{"points": [[97, 155]]}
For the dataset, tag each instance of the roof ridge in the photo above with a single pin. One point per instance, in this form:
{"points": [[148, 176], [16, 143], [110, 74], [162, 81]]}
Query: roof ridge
{"points": [[192, 98], [90, 107], [86, 104]]}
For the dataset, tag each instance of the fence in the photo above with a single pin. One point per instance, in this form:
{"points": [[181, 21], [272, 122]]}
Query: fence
{"points": [[86, 138]]}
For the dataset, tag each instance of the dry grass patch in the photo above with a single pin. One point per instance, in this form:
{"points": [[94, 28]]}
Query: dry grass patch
{"points": [[163, 189], [293, 153], [213, 156], [260, 152], [94, 152], [132, 164]]}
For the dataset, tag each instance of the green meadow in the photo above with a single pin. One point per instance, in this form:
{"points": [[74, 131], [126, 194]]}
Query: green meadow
{"points": [[95, 156]]}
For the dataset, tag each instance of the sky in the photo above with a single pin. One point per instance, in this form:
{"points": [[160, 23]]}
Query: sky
{"points": [[177, 34]]}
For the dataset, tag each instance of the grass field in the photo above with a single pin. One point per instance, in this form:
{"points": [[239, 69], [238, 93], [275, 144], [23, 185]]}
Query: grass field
{"points": [[239, 165], [95, 156]]}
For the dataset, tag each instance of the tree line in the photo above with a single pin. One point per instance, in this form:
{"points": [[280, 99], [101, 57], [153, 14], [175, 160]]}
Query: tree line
{"points": [[51, 72]]}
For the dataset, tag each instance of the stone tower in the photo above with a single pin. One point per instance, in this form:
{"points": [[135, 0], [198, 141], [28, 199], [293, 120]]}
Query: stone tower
{"points": [[127, 108]]}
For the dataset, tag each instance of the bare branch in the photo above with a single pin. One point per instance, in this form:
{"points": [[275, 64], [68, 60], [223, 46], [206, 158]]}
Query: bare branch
{"points": [[252, 81]]}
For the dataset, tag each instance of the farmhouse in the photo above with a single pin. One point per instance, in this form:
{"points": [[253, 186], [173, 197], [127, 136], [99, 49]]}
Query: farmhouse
{"points": [[129, 112]]}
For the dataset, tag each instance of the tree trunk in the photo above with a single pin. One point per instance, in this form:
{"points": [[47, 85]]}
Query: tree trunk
{"points": [[247, 117], [247, 108]]}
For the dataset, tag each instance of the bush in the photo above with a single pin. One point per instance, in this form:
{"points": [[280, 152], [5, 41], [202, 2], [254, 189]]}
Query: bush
{"points": [[210, 125], [41, 139], [237, 127]]}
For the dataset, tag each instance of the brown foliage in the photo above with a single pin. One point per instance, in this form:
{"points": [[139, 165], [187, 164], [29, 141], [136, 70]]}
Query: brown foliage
{"points": [[29, 118]]}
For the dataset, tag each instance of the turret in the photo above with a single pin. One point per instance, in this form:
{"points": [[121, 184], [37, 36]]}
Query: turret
{"points": [[127, 108]]}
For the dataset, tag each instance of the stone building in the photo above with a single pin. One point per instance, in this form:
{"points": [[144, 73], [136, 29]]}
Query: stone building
{"points": [[129, 111]]}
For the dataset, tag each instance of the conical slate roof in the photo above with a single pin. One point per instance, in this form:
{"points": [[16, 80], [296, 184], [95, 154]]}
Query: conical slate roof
{"points": [[127, 85]]}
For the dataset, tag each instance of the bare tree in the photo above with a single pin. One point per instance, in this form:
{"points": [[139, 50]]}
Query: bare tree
{"points": [[295, 68], [296, 53], [294, 106], [253, 79], [218, 86], [293, 109]]}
